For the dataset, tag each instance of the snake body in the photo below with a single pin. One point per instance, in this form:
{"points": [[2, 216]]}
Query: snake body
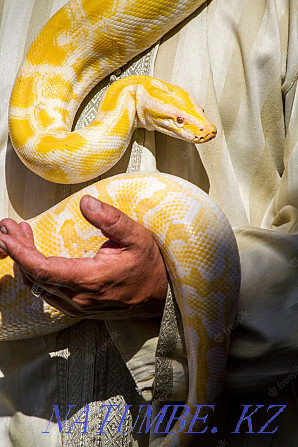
{"points": [[82, 43]]}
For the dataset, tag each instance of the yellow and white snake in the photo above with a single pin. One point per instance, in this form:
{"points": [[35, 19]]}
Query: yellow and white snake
{"points": [[84, 42]]}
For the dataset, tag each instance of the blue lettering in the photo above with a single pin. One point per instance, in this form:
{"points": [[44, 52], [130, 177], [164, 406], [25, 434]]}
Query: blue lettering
{"points": [[195, 418], [56, 410], [248, 418], [273, 417], [179, 418], [107, 415], [123, 418], [81, 422], [148, 415]]}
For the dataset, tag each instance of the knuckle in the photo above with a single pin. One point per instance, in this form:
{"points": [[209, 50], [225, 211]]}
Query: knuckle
{"points": [[5, 225], [114, 217], [6, 221]]}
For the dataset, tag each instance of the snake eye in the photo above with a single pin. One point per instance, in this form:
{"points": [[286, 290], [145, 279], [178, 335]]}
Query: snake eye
{"points": [[180, 121]]}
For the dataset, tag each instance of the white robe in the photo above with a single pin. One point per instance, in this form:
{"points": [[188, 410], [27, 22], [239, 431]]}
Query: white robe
{"points": [[239, 58]]}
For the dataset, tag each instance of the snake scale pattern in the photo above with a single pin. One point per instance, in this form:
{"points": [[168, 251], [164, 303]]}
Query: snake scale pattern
{"points": [[84, 42]]}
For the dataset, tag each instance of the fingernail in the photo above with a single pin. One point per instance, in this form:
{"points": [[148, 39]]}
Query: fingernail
{"points": [[3, 246], [93, 204], [3, 230]]}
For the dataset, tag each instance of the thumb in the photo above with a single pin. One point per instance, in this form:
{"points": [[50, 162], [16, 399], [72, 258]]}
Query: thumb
{"points": [[113, 223]]}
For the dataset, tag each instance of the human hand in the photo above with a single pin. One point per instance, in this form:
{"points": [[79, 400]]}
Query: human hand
{"points": [[125, 279]]}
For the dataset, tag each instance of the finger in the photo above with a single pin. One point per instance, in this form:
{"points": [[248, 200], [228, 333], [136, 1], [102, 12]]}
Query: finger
{"points": [[27, 231], [8, 227], [22, 232], [84, 306], [17, 241], [57, 273], [3, 248], [11, 227], [52, 270], [21, 251], [113, 223]]}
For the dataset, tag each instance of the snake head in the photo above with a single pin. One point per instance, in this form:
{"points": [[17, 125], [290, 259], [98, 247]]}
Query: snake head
{"points": [[173, 111]]}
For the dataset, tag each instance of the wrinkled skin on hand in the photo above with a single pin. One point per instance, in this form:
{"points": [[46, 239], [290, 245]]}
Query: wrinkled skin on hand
{"points": [[126, 278]]}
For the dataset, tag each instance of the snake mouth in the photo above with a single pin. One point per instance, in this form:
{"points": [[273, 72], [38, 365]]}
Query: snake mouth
{"points": [[206, 137], [211, 135]]}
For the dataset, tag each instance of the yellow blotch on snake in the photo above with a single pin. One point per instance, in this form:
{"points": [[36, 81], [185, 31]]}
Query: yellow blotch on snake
{"points": [[84, 38]]}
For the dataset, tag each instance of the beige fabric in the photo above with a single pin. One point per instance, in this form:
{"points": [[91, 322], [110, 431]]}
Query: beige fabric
{"points": [[239, 67], [27, 368], [239, 58]]}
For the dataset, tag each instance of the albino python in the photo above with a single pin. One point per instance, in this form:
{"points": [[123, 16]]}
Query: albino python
{"points": [[84, 42]]}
